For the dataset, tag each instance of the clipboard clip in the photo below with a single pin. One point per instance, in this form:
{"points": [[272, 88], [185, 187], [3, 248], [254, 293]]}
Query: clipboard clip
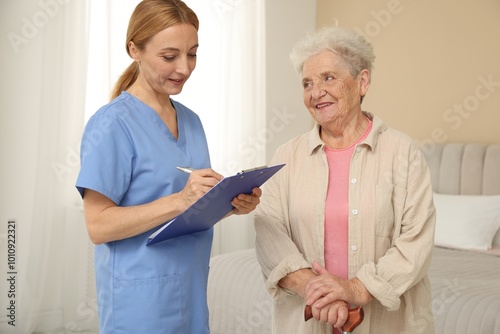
{"points": [[251, 170]]}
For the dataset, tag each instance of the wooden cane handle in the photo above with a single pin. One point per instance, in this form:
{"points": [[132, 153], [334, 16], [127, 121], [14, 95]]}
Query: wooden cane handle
{"points": [[354, 318], [308, 313]]}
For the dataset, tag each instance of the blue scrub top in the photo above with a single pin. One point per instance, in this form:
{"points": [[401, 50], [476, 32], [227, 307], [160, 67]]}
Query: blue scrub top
{"points": [[129, 155]]}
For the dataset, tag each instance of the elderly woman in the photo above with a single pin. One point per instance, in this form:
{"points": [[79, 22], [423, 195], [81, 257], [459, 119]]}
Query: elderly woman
{"points": [[350, 218]]}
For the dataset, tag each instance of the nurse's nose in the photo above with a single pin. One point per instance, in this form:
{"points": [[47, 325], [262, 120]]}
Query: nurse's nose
{"points": [[183, 66]]}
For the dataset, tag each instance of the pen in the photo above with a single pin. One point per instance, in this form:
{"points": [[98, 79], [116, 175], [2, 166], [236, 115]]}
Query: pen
{"points": [[186, 169]]}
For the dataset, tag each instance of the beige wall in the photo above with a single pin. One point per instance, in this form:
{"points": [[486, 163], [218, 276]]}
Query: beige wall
{"points": [[286, 115], [437, 72]]}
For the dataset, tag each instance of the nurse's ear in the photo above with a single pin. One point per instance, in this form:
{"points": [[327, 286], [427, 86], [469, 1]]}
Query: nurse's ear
{"points": [[134, 52]]}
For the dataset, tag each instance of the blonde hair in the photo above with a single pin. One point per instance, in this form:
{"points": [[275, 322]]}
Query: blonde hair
{"points": [[149, 18]]}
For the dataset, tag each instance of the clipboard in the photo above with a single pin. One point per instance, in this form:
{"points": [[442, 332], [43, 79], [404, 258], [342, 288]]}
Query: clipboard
{"points": [[214, 205]]}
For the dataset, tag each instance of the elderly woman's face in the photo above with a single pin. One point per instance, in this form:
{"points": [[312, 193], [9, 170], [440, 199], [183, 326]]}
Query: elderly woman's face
{"points": [[331, 94]]}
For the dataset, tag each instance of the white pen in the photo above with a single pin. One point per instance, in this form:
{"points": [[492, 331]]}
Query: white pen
{"points": [[186, 169]]}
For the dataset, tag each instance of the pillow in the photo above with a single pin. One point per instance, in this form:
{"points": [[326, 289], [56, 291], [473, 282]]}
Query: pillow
{"points": [[466, 221]]}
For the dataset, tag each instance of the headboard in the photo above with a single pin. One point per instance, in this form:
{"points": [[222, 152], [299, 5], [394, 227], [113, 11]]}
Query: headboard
{"points": [[465, 169]]}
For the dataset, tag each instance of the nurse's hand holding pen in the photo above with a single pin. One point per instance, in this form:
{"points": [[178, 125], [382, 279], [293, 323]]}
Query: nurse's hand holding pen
{"points": [[202, 180]]}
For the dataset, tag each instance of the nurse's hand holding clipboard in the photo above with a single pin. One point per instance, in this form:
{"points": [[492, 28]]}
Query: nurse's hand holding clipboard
{"points": [[202, 180]]}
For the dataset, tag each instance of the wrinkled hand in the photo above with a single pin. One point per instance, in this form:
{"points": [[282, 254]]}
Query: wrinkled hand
{"points": [[327, 288], [199, 182], [326, 295], [245, 203], [324, 288], [335, 313]]}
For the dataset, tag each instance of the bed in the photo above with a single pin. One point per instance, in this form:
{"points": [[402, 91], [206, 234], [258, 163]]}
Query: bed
{"points": [[465, 270]]}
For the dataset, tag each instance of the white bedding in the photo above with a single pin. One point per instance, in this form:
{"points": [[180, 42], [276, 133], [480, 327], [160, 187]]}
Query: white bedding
{"points": [[466, 291], [237, 298], [239, 303]]}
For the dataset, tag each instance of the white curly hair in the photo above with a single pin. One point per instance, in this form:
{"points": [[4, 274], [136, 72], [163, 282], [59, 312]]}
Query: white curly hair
{"points": [[356, 52]]}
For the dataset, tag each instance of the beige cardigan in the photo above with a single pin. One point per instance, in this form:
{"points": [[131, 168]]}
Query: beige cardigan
{"points": [[391, 229]]}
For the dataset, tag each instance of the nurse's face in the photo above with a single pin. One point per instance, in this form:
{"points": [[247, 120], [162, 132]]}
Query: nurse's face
{"points": [[168, 59]]}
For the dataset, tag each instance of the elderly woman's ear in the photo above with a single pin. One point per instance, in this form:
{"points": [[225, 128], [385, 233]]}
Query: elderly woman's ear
{"points": [[364, 82]]}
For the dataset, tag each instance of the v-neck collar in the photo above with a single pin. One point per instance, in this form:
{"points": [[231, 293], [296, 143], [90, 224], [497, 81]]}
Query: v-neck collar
{"points": [[156, 119]]}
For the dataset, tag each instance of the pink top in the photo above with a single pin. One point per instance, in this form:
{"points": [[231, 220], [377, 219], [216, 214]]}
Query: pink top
{"points": [[337, 208]]}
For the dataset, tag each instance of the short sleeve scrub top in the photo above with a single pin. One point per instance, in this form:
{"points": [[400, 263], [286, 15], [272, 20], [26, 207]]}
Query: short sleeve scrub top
{"points": [[129, 155]]}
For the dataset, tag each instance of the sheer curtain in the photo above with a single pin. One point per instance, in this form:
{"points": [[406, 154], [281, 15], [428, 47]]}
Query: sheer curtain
{"points": [[227, 90], [108, 21], [42, 109]]}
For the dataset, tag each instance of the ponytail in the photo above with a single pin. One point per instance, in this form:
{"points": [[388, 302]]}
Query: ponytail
{"points": [[125, 80]]}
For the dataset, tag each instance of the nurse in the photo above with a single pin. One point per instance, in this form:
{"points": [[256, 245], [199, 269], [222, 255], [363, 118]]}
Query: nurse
{"points": [[130, 185]]}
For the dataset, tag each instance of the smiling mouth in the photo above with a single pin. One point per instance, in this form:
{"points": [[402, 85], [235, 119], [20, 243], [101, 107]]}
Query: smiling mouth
{"points": [[176, 81], [323, 105]]}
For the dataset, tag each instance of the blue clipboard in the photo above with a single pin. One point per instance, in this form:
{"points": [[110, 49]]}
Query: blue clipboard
{"points": [[214, 205]]}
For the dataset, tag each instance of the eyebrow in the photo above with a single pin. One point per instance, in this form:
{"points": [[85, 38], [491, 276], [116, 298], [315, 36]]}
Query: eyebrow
{"points": [[322, 74], [328, 73], [176, 49]]}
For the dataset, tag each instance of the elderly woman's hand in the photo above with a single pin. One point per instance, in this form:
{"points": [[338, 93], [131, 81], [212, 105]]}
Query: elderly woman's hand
{"points": [[326, 288], [244, 203], [335, 313]]}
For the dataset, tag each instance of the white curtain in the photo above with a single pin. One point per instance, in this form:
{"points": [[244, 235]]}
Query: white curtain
{"points": [[43, 90], [227, 90], [108, 21]]}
